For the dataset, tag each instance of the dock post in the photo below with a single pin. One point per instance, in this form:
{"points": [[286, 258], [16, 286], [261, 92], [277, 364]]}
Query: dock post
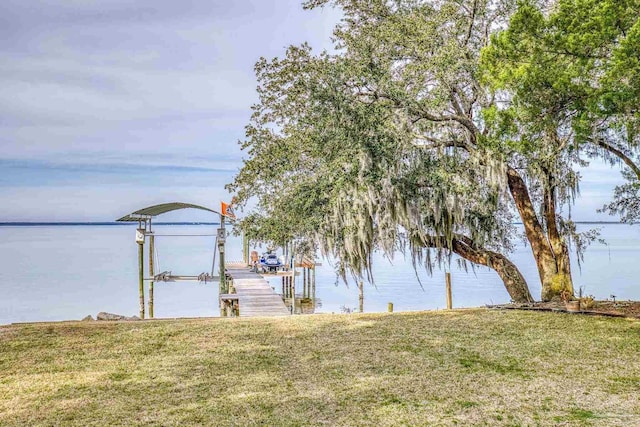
{"points": [[245, 249], [221, 269], [151, 251], [140, 233], [304, 282], [223, 308], [447, 277], [361, 296], [313, 286], [293, 284], [229, 307]]}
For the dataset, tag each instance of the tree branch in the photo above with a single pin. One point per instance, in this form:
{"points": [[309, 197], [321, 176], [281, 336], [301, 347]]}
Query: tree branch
{"points": [[437, 143], [473, 19], [613, 150], [464, 247]]}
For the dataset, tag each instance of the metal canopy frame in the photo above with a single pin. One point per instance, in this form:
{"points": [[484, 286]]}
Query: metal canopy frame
{"points": [[151, 211]]}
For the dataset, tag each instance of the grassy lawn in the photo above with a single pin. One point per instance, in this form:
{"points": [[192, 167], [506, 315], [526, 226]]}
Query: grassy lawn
{"points": [[467, 367]]}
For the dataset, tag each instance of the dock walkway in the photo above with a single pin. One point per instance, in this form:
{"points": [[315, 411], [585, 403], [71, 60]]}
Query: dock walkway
{"points": [[255, 295]]}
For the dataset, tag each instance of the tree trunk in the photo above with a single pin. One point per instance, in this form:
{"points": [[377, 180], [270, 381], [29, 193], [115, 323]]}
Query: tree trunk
{"points": [[558, 246], [463, 246], [549, 251], [513, 280]]}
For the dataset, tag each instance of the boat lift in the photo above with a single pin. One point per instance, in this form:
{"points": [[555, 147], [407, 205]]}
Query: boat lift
{"points": [[144, 219]]}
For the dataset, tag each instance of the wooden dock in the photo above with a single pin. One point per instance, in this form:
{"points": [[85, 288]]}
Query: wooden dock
{"points": [[254, 294]]}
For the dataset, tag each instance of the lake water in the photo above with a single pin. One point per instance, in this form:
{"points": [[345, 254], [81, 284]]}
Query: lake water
{"points": [[62, 272]]}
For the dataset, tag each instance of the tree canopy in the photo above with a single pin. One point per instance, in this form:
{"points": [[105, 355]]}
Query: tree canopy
{"points": [[574, 66], [422, 132]]}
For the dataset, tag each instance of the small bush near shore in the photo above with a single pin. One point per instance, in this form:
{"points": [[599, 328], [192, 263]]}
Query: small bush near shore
{"points": [[463, 367]]}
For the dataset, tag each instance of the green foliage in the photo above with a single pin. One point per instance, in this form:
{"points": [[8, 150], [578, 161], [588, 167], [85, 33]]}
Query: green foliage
{"points": [[626, 199], [376, 147], [569, 72]]}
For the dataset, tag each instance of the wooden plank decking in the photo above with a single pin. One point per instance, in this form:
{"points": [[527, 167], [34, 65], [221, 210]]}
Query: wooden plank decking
{"points": [[255, 296]]}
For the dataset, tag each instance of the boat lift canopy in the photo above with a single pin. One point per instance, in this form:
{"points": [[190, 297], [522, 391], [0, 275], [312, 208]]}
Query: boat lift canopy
{"points": [[151, 211]]}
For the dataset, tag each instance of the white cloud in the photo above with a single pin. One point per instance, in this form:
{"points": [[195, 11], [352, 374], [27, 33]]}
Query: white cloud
{"points": [[78, 77]]}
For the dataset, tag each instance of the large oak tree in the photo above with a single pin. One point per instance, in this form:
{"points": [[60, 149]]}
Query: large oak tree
{"points": [[576, 64], [404, 138], [567, 73]]}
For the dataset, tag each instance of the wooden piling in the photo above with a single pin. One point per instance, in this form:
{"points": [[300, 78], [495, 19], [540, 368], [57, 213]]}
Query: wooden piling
{"points": [[361, 296], [221, 270], [447, 277], [141, 277], [245, 249], [229, 307], [224, 304], [151, 273], [245, 259], [313, 286], [304, 282], [293, 285], [221, 241]]}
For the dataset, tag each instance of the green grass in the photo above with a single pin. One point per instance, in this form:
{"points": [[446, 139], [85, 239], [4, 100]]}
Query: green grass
{"points": [[466, 367]]}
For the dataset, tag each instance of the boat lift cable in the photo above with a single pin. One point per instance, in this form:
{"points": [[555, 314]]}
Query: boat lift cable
{"points": [[213, 264], [185, 235], [168, 276], [157, 257]]}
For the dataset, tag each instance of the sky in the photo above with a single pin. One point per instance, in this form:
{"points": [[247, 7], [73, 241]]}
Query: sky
{"points": [[110, 106], [107, 107]]}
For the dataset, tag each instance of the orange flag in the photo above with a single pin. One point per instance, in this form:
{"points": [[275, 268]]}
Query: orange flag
{"points": [[227, 210]]}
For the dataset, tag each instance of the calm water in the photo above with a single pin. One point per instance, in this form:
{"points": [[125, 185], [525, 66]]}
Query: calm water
{"points": [[58, 272]]}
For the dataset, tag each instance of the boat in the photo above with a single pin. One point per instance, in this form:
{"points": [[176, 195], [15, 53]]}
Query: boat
{"points": [[270, 263]]}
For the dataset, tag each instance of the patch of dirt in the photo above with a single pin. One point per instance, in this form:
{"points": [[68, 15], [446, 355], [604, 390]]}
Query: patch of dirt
{"points": [[606, 307], [628, 308]]}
